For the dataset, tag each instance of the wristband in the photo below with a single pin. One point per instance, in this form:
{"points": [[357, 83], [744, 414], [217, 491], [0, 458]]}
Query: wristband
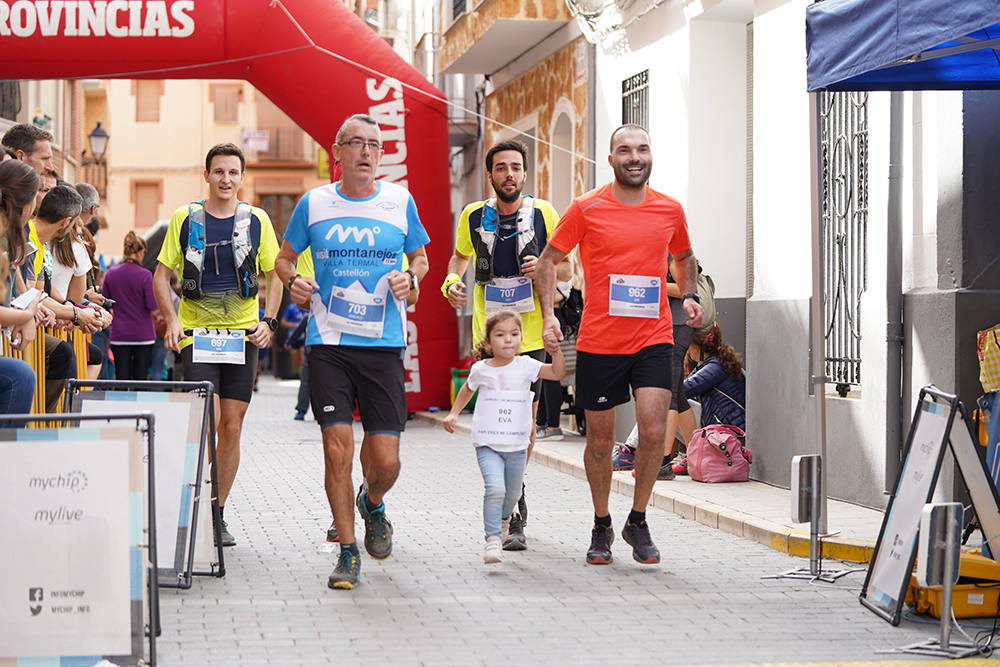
{"points": [[76, 316], [692, 295], [450, 280]]}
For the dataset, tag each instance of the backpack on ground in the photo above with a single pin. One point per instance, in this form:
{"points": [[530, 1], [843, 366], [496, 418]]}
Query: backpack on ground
{"points": [[717, 453]]}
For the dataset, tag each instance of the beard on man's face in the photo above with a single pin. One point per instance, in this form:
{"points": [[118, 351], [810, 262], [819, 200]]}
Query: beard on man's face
{"points": [[632, 179], [504, 196]]}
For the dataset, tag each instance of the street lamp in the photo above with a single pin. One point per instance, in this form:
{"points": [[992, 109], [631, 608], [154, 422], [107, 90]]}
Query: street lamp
{"points": [[98, 140]]}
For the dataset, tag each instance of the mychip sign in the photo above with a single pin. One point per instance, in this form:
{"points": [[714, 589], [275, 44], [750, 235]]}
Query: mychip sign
{"points": [[71, 516]]}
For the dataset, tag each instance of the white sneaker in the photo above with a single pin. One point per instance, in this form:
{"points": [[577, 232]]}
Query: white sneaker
{"points": [[492, 552], [504, 529]]}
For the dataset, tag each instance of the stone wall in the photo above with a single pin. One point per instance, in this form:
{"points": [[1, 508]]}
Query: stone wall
{"points": [[538, 92]]}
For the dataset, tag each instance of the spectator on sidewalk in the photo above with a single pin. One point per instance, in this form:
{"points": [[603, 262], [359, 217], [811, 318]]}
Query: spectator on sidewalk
{"points": [[18, 184], [717, 381], [290, 321], [130, 286]]}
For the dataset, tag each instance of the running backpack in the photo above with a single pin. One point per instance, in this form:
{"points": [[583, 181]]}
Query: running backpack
{"points": [[716, 453]]}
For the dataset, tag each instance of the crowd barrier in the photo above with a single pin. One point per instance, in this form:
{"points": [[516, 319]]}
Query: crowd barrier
{"points": [[34, 356]]}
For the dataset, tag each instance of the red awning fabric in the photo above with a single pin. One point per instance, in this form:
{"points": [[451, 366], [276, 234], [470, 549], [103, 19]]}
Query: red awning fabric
{"points": [[314, 59]]}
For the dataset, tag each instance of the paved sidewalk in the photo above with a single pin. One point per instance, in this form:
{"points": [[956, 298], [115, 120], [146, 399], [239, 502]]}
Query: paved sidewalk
{"points": [[435, 603], [753, 510]]}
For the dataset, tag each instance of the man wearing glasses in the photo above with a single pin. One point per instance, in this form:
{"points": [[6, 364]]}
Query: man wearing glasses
{"points": [[358, 231]]}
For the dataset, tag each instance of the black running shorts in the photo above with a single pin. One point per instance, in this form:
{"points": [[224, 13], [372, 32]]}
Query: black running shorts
{"points": [[372, 378], [233, 381], [603, 380]]}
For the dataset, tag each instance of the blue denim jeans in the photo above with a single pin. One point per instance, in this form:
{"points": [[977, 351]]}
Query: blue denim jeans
{"points": [[502, 475], [17, 387]]}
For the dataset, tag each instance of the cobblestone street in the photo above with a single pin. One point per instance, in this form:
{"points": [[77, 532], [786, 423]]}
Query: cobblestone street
{"points": [[435, 603]]}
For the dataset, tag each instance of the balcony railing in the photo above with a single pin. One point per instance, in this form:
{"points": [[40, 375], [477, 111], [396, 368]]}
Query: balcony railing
{"points": [[96, 173], [285, 144]]}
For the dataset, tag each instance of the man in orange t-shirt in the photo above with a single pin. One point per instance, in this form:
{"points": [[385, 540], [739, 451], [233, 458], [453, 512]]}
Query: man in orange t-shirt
{"points": [[626, 231]]}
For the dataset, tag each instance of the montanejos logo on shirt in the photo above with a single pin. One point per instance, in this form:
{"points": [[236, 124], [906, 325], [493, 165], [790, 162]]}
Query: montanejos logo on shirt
{"points": [[357, 233], [111, 18]]}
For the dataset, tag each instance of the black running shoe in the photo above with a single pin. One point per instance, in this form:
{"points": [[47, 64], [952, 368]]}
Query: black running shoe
{"points": [[378, 528], [331, 533], [643, 549], [522, 506], [347, 574], [601, 539], [516, 541], [227, 538]]}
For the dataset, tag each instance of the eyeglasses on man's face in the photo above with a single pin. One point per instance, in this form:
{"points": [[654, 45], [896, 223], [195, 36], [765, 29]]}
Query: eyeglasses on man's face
{"points": [[356, 144]]}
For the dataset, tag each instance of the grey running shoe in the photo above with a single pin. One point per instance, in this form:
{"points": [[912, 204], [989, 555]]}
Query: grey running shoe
{"points": [[378, 528], [643, 549], [227, 538], [548, 433], [601, 539], [516, 541], [347, 574], [666, 472], [331, 533]]}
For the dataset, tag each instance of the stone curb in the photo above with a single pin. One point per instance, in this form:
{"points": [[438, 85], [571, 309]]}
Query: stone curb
{"points": [[773, 535]]}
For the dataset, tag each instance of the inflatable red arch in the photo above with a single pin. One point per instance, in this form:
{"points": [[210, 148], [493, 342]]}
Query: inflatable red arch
{"points": [[314, 59]]}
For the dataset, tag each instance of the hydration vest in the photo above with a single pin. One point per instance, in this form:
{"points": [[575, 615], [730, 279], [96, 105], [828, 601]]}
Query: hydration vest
{"points": [[244, 252], [484, 238]]}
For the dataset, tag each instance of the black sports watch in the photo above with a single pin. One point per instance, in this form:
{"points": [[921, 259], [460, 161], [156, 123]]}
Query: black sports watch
{"points": [[413, 279], [271, 322], [692, 295]]}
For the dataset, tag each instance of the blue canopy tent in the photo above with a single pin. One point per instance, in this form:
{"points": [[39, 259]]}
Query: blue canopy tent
{"points": [[888, 45], [903, 45]]}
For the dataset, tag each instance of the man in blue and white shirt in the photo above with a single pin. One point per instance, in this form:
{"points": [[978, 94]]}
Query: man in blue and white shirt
{"points": [[358, 231]]}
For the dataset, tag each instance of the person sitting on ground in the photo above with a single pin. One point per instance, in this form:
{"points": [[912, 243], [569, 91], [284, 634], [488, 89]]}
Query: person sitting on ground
{"points": [[717, 380]]}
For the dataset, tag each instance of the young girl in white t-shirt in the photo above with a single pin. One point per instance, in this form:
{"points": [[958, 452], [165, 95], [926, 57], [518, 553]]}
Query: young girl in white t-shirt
{"points": [[502, 421]]}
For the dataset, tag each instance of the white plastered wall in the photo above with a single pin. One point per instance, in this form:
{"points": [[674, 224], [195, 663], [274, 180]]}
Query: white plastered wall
{"points": [[781, 412]]}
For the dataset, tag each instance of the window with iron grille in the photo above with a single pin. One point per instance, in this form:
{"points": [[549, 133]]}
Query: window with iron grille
{"points": [[635, 99], [457, 8], [844, 145]]}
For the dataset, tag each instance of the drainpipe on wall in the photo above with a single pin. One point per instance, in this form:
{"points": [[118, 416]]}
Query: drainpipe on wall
{"points": [[894, 297]]}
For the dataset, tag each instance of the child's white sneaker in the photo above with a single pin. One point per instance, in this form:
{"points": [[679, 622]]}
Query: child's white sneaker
{"points": [[504, 529], [492, 552]]}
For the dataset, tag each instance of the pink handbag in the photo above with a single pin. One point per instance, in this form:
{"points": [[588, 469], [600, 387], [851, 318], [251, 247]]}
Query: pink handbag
{"points": [[716, 454]]}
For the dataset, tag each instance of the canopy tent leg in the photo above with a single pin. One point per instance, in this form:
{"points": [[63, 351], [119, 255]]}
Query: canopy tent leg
{"points": [[818, 377]]}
